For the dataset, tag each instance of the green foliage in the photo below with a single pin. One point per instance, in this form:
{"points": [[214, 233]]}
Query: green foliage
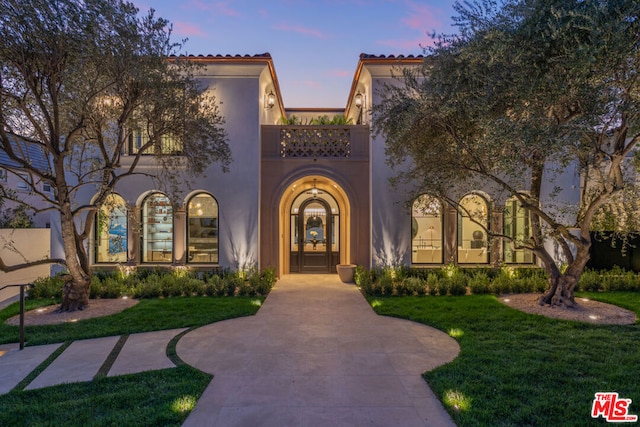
{"points": [[590, 281], [386, 283], [362, 276], [413, 286], [324, 120], [18, 217], [442, 287], [452, 280], [47, 287], [479, 283], [457, 284], [616, 279], [433, 281], [158, 283]]}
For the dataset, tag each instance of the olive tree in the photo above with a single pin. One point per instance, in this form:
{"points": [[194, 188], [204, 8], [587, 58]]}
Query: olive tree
{"points": [[77, 77], [526, 92]]}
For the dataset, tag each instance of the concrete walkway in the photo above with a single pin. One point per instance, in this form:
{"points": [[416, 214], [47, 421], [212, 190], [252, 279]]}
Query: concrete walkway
{"points": [[317, 355], [82, 360]]}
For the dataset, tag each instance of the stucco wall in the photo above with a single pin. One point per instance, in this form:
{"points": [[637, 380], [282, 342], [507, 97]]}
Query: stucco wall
{"points": [[236, 191]]}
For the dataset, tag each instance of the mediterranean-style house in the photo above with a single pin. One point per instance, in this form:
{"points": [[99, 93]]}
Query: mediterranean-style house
{"points": [[298, 198]]}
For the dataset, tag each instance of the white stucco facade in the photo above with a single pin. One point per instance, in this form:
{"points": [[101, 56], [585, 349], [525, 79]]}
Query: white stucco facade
{"points": [[258, 219]]}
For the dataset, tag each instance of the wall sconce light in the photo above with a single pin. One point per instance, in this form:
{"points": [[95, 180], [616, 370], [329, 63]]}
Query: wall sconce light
{"points": [[359, 100], [270, 100]]}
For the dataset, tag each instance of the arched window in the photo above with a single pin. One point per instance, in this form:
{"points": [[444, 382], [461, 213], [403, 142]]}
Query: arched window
{"points": [[202, 232], [111, 231], [157, 229], [516, 226], [473, 223], [426, 230]]}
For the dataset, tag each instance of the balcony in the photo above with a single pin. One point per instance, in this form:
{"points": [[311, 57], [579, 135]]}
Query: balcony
{"points": [[315, 142]]}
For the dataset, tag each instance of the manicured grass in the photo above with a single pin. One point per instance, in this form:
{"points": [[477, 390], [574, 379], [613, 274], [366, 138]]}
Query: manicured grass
{"points": [[147, 315], [516, 369], [154, 398], [164, 397]]}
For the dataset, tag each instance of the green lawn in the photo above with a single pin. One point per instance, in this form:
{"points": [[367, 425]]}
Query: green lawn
{"points": [[516, 369], [155, 398], [147, 315], [164, 397]]}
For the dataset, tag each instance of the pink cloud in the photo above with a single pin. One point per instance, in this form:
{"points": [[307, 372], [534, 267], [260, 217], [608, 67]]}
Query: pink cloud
{"points": [[340, 73], [301, 30], [421, 17], [309, 83], [187, 29]]}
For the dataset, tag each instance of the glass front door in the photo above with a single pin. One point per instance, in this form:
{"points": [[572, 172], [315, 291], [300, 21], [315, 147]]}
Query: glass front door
{"points": [[314, 238]]}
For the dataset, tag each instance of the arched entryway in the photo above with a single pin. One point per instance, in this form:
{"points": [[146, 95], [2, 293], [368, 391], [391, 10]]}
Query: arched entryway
{"points": [[314, 226], [315, 233]]}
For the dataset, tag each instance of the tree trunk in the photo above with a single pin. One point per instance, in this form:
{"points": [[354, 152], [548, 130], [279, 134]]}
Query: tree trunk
{"points": [[561, 293], [77, 284], [75, 293], [562, 286]]}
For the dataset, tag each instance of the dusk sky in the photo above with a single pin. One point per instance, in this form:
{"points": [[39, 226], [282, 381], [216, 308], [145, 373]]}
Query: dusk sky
{"points": [[315, 44]]}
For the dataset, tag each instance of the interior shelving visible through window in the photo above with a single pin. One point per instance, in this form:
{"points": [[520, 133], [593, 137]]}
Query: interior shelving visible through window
{"points": [[157, 229]]}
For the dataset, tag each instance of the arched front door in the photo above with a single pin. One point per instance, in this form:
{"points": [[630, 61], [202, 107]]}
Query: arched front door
{"points": [[314, 231]]}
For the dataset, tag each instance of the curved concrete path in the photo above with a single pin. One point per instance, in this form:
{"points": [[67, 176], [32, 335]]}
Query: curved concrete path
{"points": [[316, 354]]}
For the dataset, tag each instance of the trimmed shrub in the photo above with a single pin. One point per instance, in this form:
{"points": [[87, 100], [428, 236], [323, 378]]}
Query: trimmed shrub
{"points": [[246, 288], [214, 286], [414, 286], [457, 284], [150, 288], [442, 287], [111, 288], [386, 284], [590, 281], [232, 282], [361, 276], [46, 287], [433, 281], [480, 283], [501, 284]]}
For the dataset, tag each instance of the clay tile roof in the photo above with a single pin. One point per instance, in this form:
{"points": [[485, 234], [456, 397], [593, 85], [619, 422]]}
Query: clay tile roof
{"points": [[265, 55], [387, 57]]}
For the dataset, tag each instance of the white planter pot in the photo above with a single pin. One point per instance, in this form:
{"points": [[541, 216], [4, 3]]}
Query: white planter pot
{"points": [[346, 272]]}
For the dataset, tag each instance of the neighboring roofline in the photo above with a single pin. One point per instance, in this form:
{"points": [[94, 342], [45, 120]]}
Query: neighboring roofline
{"points": [[263, 58], [367, 59]]}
